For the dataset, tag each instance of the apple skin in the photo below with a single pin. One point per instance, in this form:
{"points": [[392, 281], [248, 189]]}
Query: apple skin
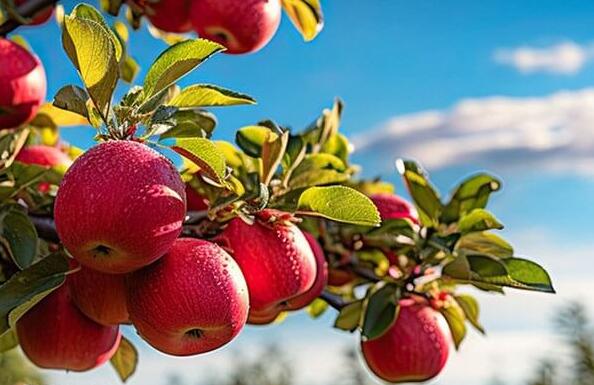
{"points": [[196, 202], [41, 16], [100, 296], [392, 206], [265, 317], [321, 280], [191, 301], [241, 26], [276, 260], [169, 15], [120, 206], [23, 84], [340, 277], [414, 349], [42, 155], [54, 334]]}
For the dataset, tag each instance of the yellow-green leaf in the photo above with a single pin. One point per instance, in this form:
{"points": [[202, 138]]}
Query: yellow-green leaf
{"points": [[204, 154], [306, 15], [125, 359], [207, 95]]}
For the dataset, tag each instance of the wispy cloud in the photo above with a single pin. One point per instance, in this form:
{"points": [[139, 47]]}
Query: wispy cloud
{"points": [[553, 132], [566, 58]]}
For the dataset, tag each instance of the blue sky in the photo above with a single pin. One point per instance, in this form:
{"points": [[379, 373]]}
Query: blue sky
{"points": [[461, 86]]}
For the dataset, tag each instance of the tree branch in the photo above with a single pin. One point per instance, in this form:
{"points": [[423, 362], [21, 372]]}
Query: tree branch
{"points": [[27, 9], [46, 227], [333, 300]]}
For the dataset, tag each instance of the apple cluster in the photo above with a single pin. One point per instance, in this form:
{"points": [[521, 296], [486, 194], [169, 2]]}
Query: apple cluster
{"points": [[242, 26]]}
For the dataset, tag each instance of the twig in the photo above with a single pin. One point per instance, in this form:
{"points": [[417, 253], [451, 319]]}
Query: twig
{"points": [[333, 300], [27, 9]]}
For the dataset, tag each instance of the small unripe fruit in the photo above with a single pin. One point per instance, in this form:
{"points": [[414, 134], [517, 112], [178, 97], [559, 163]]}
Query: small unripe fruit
{"points": [[321, 280], [100, 296], [120, 206], [276, 260], [23, 84], [54, 334], [241, 26], [392, 206], [191, 301], [414, 349], [41, 16]]}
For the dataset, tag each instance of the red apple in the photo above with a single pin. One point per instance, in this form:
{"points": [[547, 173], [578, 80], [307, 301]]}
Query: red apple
{"points": [[241, 26], [191, 301], [196, 202], [276, 260], [41, 155], [321, 280], [169, 15], [265, 317], [392, 206], [54, 334], [120, 206], [414, 349], [100, 296], [23, 84], [41, 16]]}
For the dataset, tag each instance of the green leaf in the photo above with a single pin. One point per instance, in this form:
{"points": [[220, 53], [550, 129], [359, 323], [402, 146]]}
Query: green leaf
{"points": [[273, 150], [19, 237], [485, 243], [91, 49], [317, 308], [73, 99], [251, 138], [337, 145], [207, 95], [175, 62], [318, 169], [530, 274], [340, 204], [349, 317], [470, 307], [204, 154], [129, 68], [85, 11], [125, 359], [24, 289], [478, 220], [306, 16], [381, 312], [454, 315], [423, 194], [8, 341], [191, 123], [473, 193]]}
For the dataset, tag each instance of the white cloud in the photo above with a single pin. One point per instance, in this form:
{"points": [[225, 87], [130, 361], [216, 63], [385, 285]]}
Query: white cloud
{"points": [[566, 58], [554, 132]]}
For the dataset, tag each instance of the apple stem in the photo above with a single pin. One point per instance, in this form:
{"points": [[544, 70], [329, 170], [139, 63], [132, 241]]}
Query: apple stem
{"points": [[26, 10]]}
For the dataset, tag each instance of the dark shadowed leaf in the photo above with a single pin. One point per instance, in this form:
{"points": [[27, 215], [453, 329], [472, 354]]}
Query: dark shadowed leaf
{"points": [[381, 311], [23, 290], [18, 236]]}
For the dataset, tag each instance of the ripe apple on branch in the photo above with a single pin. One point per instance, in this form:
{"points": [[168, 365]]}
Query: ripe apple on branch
{"points": [[244, 232]]}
